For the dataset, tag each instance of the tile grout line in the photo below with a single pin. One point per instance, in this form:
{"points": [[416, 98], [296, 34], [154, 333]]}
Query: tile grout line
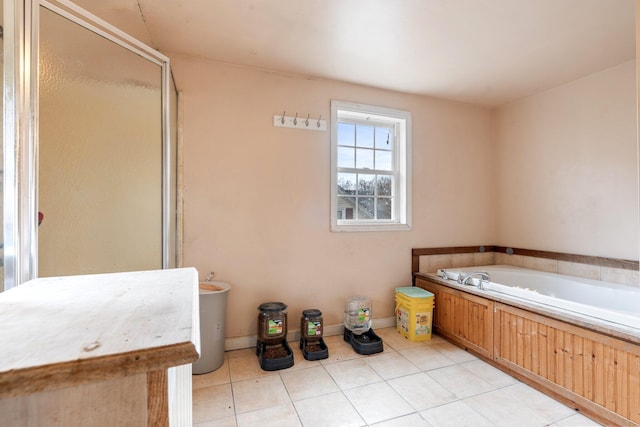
{"points": [[386, 381], [344, 395], [291, 398]]}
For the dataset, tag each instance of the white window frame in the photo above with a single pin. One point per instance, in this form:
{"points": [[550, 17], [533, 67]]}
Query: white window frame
{"points": [[401, 121]]}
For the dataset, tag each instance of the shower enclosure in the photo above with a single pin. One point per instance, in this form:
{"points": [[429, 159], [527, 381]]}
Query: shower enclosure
{"points": [[90, 147]]}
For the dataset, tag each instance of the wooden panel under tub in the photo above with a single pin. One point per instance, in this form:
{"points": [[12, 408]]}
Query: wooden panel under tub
{"points": [[589, 368], [462, 317], [593, 371]]}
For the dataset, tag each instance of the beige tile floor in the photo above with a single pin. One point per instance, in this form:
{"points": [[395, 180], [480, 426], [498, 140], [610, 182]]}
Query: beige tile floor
{"points": [[430, 383]]}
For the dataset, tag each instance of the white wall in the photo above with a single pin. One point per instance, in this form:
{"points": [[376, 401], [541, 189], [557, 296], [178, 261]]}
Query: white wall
{"points": [[257, 197], [567, 167], [554, 171]]}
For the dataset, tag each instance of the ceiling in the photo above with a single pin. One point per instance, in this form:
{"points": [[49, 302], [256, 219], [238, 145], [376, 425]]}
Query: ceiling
{"points": [[486, 52]]}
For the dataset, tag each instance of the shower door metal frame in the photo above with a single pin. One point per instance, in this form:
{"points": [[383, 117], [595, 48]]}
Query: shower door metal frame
{"points": [[20, 133]]}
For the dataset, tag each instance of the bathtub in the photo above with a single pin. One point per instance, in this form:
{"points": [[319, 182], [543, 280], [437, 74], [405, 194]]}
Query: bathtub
{"points": [[576, 339], [608, 302]]}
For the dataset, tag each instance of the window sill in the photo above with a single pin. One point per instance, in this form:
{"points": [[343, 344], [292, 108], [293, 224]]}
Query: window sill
{"points": [[370, 227]]}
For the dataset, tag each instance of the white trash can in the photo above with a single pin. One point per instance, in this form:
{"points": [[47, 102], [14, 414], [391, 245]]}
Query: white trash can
{"points": [[213, 312]]}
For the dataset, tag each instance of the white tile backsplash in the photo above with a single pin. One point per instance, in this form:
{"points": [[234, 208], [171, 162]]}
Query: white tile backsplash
{"points": [[484, 258], [439, 261], [587, 271], [431, 263], [540, 264], [462, 260], [506, 259], [619, 275]]}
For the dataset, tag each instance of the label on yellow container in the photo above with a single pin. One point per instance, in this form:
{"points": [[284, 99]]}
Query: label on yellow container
{"points": [[421, 325], [403, 319]]}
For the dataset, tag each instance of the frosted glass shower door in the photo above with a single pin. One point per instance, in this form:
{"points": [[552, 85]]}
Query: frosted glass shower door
{"points": [[99, 153], [1, 162]]}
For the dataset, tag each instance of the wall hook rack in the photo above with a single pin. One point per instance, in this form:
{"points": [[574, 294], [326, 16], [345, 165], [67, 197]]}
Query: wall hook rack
{"points": [[292, 122]]}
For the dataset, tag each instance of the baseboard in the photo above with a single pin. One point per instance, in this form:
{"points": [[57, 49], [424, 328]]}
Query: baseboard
{"points": [[239, 343]]}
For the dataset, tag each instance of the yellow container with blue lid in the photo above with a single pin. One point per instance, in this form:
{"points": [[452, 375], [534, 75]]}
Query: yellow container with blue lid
{"points": [[414, 313]]}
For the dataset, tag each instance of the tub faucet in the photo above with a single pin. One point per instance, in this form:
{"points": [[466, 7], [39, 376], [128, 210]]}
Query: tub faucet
{"points": [[481, 275]]}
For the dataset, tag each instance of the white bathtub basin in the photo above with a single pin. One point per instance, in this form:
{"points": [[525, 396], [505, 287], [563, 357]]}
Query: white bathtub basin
{"points": [[606, 301]]}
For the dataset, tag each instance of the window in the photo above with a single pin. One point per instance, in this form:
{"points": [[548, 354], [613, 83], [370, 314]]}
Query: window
{"points": [[370, 168]]}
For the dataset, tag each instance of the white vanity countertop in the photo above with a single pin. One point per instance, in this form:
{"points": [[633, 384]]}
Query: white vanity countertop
{"points": [[62, 331]]}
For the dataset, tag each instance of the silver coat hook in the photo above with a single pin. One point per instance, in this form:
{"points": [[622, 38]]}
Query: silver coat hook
{"points": [[306, 122], [282, 119], [295, 119], [319, 118]]}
